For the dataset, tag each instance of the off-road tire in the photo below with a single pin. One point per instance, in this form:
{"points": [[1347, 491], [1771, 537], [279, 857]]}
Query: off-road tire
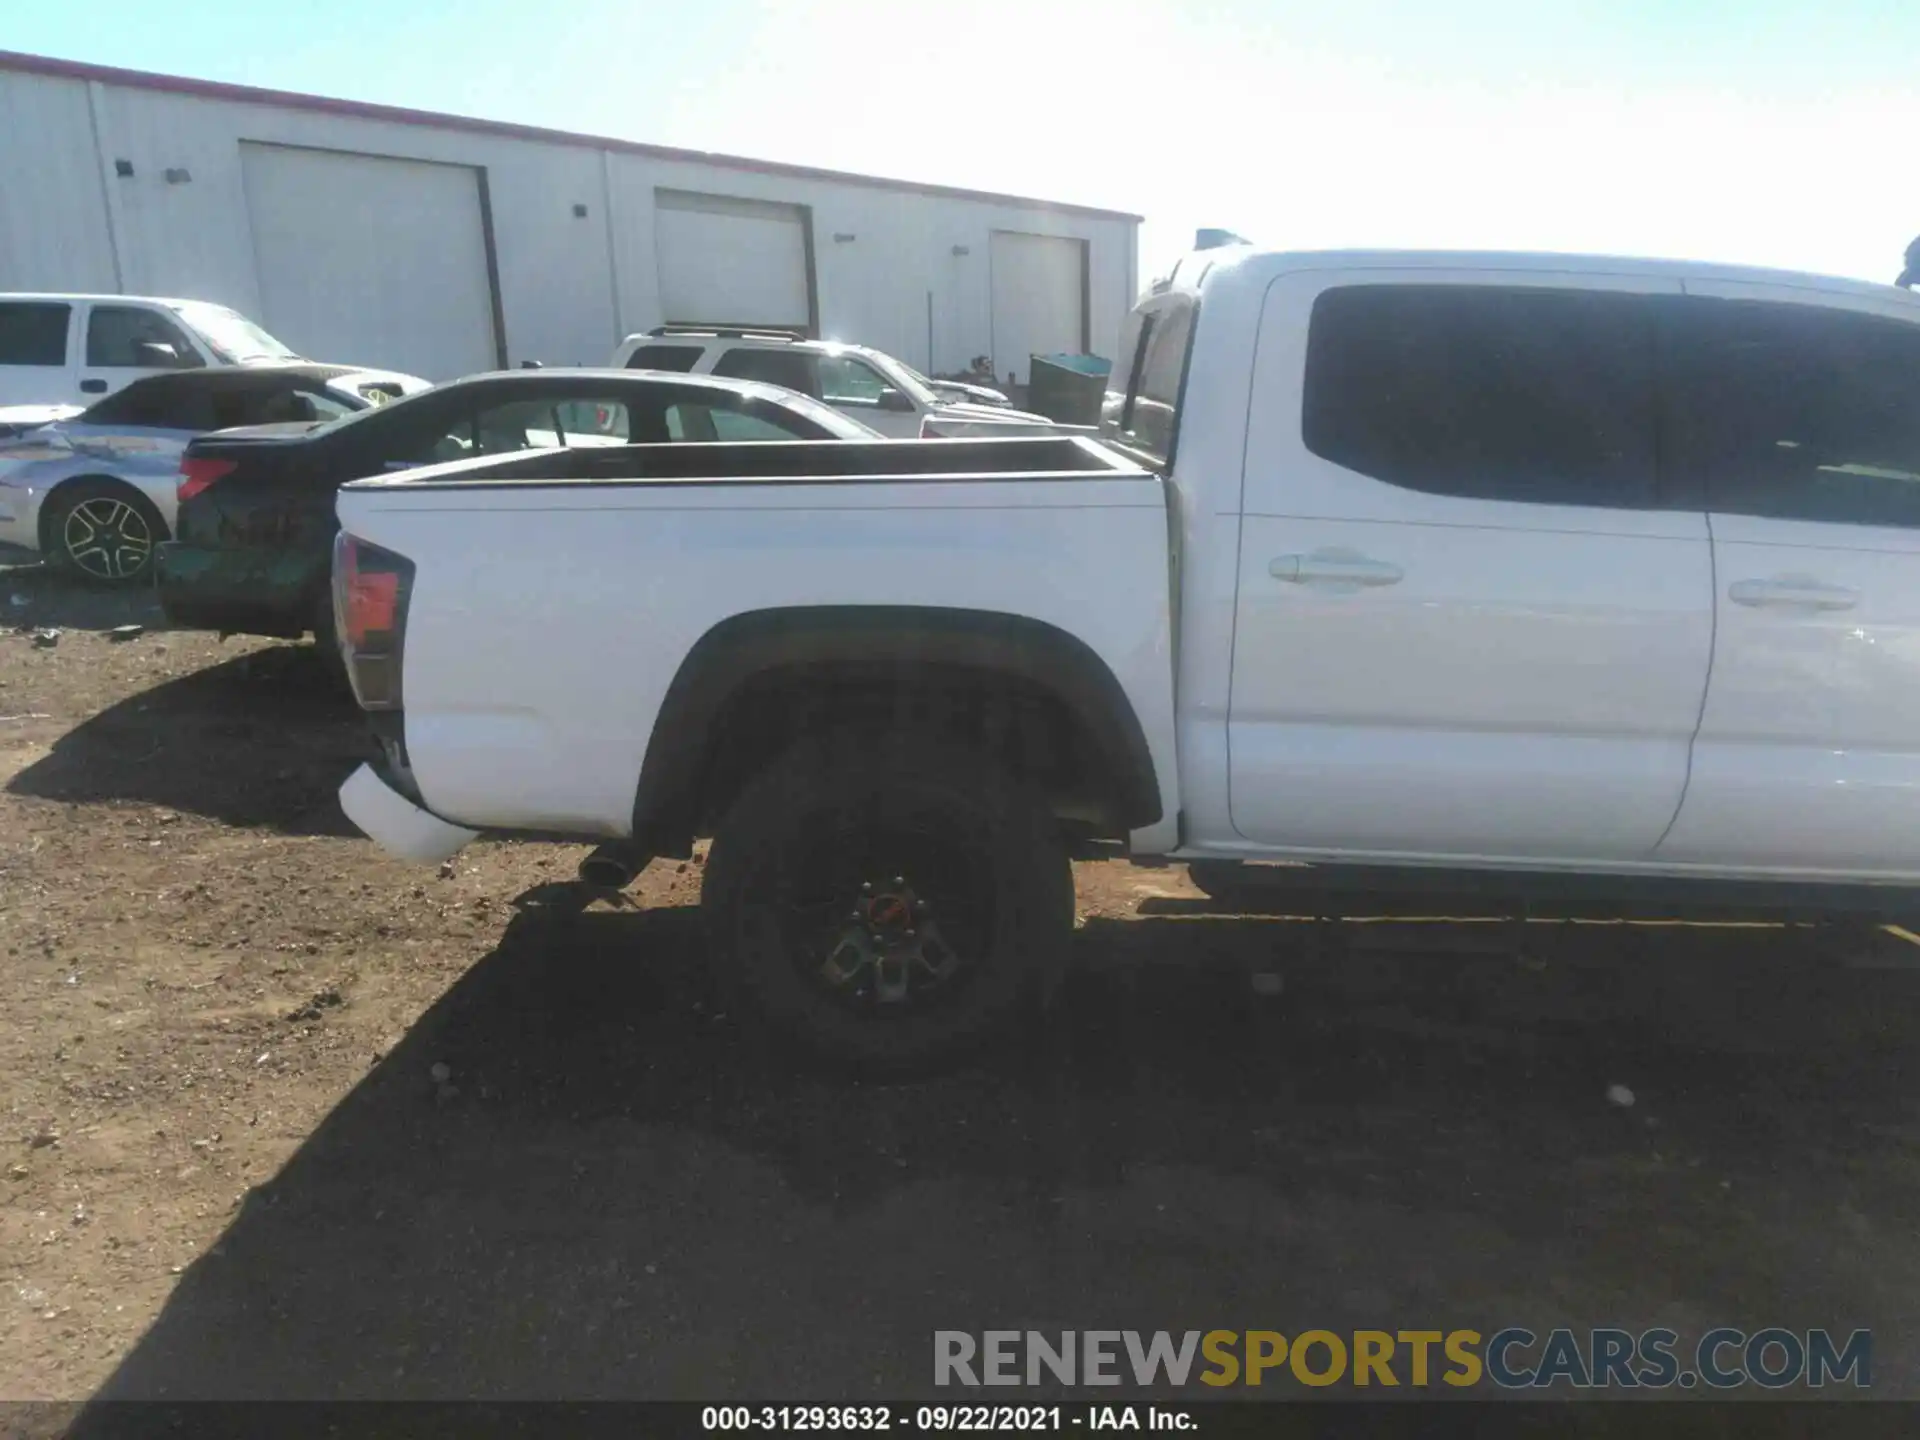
{"points": [[823, 786]]}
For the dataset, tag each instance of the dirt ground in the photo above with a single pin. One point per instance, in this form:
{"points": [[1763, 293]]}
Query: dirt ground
{"points": [[284, 1117]]}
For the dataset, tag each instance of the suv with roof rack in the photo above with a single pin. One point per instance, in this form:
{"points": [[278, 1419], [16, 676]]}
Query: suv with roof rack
{"points": [[869, 385]]}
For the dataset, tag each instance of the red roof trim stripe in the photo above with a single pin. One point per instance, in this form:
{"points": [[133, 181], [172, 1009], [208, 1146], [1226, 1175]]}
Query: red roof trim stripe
{"points": [[364, 110]]}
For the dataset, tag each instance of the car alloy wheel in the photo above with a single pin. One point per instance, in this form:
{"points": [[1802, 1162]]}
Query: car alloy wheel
{"points": [[107, 538]]}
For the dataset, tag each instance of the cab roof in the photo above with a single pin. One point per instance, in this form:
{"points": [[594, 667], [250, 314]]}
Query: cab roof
{"points": [[1203, 266]]}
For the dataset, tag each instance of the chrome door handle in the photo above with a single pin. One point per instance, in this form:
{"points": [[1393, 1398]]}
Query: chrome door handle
{"points": [[1792, 592], [1334, 568]]}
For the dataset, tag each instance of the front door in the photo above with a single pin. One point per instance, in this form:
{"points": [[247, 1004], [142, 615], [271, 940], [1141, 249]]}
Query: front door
{"points": [[1805, 420], [126, 342], [1471, 624], [853, 387]]}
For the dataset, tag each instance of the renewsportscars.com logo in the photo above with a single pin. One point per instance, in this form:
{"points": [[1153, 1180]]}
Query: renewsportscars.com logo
{"points": [[1513, 1358]]}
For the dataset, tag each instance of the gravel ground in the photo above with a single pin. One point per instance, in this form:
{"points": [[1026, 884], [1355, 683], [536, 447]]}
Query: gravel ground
{"points": [[286, 1118]]}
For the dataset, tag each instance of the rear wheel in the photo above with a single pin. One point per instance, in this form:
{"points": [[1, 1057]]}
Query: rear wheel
{"points": [[891, 905], [103, 530]]}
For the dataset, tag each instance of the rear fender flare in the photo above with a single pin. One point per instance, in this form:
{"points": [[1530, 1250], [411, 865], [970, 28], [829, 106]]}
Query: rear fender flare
{"points": [[733, 652]]}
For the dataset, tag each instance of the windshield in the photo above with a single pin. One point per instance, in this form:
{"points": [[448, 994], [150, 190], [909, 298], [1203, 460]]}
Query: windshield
{"points": [[230, 335]]}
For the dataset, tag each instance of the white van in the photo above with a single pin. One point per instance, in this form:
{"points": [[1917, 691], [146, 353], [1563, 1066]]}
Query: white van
{"points": [[73, 349]]}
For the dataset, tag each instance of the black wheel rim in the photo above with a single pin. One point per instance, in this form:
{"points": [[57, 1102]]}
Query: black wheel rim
{"points": [[107, 538], [887, 919]]}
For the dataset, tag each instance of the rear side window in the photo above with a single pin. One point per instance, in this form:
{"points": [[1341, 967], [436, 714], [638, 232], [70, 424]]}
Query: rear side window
{"points": [[689, 420], [1487, 393], [33, 333], [795, 369], [167, 402], [678, 358], [1805, 413], [270, 405], [1143, 416]]}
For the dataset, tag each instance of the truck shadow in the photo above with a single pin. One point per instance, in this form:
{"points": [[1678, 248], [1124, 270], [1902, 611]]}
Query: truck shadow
{"points": [[618, 1193], [263, 739]]}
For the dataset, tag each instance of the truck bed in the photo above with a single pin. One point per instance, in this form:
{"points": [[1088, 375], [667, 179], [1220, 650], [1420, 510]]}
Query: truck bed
{"points": [[558, 593]]}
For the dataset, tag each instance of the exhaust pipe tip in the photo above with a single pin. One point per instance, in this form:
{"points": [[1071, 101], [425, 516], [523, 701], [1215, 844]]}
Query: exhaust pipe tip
{"points": [[612, 866]]}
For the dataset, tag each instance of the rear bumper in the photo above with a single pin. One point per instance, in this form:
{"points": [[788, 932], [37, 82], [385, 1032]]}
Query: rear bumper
{"points": [[243, 591], [396, 824]]}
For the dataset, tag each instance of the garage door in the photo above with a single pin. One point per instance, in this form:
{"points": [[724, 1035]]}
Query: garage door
{"points": [[1039, 299], [731, 262], [372, 261]]}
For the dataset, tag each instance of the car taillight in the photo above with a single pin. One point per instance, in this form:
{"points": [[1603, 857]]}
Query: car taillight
{"points": [[371, 587], [197, 473]]}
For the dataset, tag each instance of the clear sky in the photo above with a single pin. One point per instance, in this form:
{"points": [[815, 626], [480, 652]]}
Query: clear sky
{"points": [[1743, 130]]}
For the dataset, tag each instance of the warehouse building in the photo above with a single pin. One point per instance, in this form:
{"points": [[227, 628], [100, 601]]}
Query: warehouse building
{"points": [[443, 245]]}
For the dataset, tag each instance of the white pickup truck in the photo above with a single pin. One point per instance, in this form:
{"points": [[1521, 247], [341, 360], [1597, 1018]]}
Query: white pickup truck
{"points": [[1509, 569]]}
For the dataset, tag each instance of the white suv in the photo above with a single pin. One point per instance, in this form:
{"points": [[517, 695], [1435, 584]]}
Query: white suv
{"points": [[868, 385]]}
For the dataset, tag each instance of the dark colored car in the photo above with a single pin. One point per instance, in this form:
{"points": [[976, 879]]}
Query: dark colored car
{"points": [[255, 526]]}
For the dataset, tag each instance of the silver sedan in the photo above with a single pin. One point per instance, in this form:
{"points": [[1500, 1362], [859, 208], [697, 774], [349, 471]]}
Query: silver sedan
{"points": [[94, 492]]}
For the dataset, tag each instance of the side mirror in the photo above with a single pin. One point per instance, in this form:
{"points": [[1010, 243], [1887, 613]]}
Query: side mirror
{"points": [[155, 355], [896, 401]]}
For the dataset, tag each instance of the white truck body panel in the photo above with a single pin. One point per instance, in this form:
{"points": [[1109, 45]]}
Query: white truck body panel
{"points": [[561, 747]]}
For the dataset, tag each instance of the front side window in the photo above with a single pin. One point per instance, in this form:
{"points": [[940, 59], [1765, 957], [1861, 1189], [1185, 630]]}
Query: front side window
{"points": [[330, 404], [1485, 392], [845, 380], [793, 369], [116, 335], [1142, 413], [33, 333], [1804, 413], [277, 405], [551, 424]]}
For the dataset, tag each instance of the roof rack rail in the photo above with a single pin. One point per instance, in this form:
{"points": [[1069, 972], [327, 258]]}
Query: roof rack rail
{"points": [[731, 332]]}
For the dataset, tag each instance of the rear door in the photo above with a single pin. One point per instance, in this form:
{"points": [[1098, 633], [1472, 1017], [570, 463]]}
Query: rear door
{"points": [[1804, 416], [1473, 621], [35, 351]]}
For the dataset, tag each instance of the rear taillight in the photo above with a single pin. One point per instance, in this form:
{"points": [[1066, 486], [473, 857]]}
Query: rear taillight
{"points": [[370, 591], [198, 472]]}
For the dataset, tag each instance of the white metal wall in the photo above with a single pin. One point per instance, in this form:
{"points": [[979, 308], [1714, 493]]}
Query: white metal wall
{"points": [[573, 225]]}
